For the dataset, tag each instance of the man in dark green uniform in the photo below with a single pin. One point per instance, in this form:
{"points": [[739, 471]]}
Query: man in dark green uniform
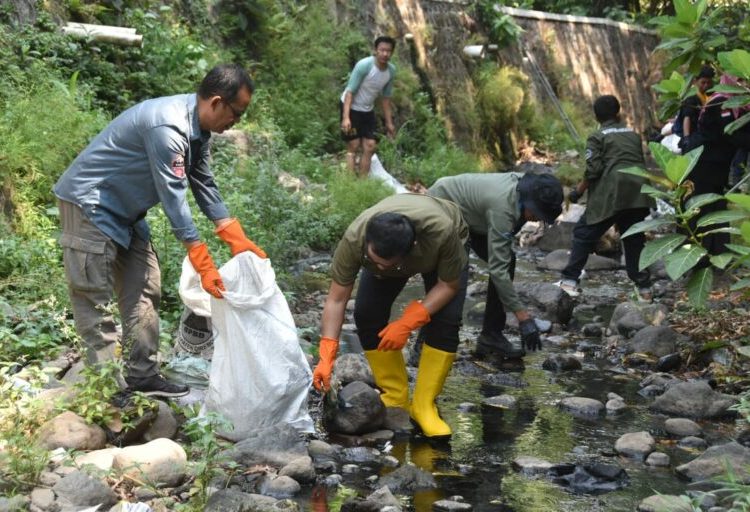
{"points": [[402, 235], [496, 206], [614, 198]]}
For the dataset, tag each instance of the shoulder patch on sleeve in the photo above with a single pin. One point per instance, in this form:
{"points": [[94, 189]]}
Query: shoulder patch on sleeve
{"points": [[178, 166], [589, 154]]}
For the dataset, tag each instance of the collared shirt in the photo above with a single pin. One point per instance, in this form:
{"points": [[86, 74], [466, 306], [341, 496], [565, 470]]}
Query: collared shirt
{"points": [[440, 237], [149, 154], [490, 206]]}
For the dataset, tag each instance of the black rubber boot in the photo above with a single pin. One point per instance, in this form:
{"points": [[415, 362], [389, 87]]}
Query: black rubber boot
{"points": [[497, 345]]}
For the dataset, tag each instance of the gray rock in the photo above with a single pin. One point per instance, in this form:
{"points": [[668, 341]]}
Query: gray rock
{"points": [[397, 420], [70, 431], [628, 318], [615, 406], [592, 330], [44, 499], [300, 469], [320, 450], [694, 399], [657, 459], [501, 401], [279, 486], [360, 454], [713, 462], [229, 500], [664, 503], [333, 480], [14, 504], [531, 465], [635, 444], [651, 390], [581, 406], [79, 489], [558, 259], [161, 461], [555, 303], [557, 236], [692, 442], [353, 367], [356, 410], [467, 407], [408, 479], [48, 478], [669, 362], [277, 446], [681, 427], [451, 505], [165, 424], [384, 498], [657, 340], [561, 363], [664, 380]]}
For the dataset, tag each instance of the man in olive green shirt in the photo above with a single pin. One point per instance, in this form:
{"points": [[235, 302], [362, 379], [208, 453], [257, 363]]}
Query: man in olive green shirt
{"points": [[614, 198], [496, 206], [402, 235]]}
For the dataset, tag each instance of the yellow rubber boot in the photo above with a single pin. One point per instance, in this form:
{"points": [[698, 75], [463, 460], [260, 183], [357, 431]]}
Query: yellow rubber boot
{"points": [[389, 369], [434, 366]]}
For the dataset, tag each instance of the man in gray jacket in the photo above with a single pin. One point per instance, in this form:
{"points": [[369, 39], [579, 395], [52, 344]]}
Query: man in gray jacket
{"points": [[151, 153], [496, 206]]}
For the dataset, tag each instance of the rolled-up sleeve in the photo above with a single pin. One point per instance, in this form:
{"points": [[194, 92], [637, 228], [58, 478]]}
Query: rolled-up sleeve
{"points": [[500, 255], [167, 152], [204, 187]]}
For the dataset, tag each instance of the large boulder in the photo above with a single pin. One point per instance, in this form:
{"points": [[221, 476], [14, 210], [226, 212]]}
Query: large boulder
{"points": [[558, 260], [549, 298], [657, 340], [357, 409], [629, 318], [714, 461], [278, 446], [70, 431], [161, 461], [694, 399]]}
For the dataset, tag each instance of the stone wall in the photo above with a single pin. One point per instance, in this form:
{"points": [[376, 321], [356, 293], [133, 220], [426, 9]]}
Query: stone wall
{"points": [[581, 57]]}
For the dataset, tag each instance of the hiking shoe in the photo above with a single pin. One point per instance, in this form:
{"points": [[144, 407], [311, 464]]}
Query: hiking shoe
{"points": [[497, 345], [569, 286], [156, 385]]}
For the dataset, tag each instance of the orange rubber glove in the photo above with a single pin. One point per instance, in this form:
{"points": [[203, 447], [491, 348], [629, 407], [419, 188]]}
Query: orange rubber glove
{"points": [[396, 334], [234, 236], [204, 265], [322, 373]]}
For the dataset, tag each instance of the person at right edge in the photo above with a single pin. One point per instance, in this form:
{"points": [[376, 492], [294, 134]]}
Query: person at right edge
{"points": [[496, 206], [614, 198]]}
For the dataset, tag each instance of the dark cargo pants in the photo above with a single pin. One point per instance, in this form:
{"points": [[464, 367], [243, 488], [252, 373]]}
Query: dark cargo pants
{"points": [[99, 271]]}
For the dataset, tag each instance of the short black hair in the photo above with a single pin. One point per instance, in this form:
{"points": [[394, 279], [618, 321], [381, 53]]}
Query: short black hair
{"points": [[391, 234], [225, 80], [606, 108], [385, 39], [706, 72]]}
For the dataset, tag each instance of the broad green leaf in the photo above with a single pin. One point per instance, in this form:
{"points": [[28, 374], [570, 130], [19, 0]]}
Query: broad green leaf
{"points": [[655, 250], [739, 285], [721, 260], [702, 200], [686, 12], [683, 259], [675, 169], [721, 217], [699, 285], [735, 62], [731, 89], [637, 171], [740, 199], [661, 154], [739, 249], [739, 123], [653, 191], [729, 229], [692, 157], [745, 231], [737, 102], [700, 8], [648, 225]]}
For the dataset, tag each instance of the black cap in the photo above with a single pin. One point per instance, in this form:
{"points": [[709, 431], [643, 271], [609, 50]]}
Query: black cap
{"points": [[543, 195]]}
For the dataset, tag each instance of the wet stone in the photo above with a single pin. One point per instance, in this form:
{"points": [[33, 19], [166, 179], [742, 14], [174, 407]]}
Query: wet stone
{"points": [[651, 391], [407, 479], [531, 465], [592, 330], [501, 401], [635, 444], [561, 363], [615, 406], [693, 442], [467, 407], [681, 427], [450, 505], [581, 406], [590, 478], [669, 363], [657, 459], [714, 461], [397, 420], [333, 480], [505, 379], [664, 503]]}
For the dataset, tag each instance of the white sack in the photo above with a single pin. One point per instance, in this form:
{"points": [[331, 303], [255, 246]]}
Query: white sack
{"points": [[259, 375]]}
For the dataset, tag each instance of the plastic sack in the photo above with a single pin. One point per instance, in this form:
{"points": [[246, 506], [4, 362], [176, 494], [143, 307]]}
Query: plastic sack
{"points": [[259, 375]]}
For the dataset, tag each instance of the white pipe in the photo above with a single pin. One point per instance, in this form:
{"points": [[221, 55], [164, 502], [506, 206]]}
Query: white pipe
{"points": [[474, 51]]}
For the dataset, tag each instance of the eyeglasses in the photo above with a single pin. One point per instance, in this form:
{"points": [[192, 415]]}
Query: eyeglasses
{"points": [[397, 266], [235, 112]]}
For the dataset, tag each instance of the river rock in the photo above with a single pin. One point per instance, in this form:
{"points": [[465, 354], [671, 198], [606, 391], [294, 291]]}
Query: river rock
{"points": [[278, 486], [164, 426], [681, 427], [669, 362], [101, 459], [551, 299], [452, 504], [353, 367], [407, 479], [657, 459], [501, 401], [70, 431], [161, 461], [712, 463], [581, 406], [557, 236], [628, 317], [357, 409], [635, 444], [694, 399], [657, 340], [14, 504], [80, 490], [229, 500], [589, 478], [43, 499], [692, 442], [561, 363], [397, 420], [383, 497], [531, 465], [360, 454], [277, 446], [615, 405], [300, 469], [558, 259], [664, 503]]}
